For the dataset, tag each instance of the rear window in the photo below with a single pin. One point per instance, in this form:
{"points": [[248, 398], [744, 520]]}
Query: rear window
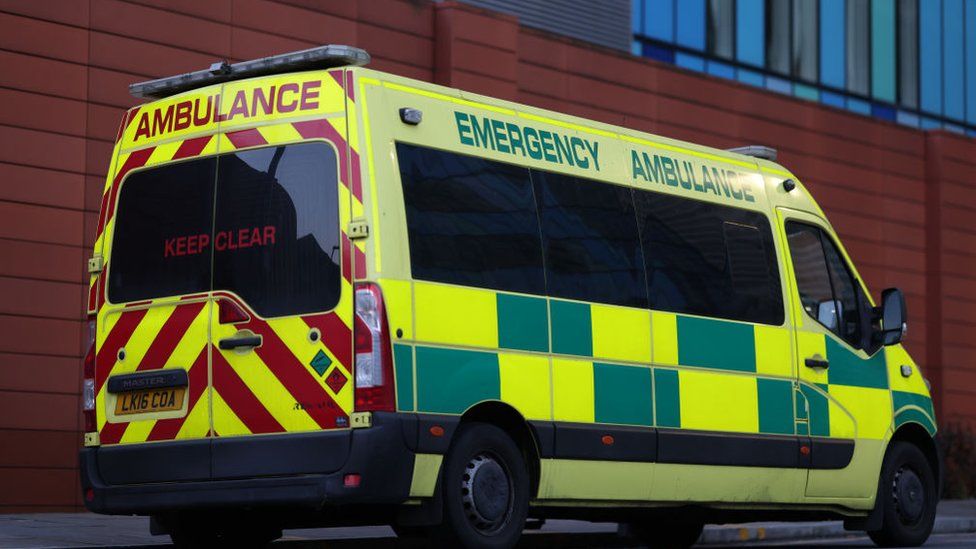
{"points": [[261, 223]]}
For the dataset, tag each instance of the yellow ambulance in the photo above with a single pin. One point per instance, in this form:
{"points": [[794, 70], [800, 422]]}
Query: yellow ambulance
{"points": [[326, 295]]}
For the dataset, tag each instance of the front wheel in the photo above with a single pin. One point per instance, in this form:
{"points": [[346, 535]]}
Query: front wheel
{"points": [[484, 489], [907, 496]]}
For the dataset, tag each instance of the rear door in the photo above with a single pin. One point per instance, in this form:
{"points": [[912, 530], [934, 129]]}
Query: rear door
{"points": [[280, 322], [152, 339], [282, 274]]}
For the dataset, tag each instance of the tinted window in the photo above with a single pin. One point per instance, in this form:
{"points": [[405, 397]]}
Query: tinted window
{"points": [[276, 237], [827, 289], [812, 277], [845, 291], [470, 221], [275, 241], [161, 232], [592, 249], [709, 260]]}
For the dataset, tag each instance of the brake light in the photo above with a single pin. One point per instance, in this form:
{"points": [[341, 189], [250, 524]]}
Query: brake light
{"points": [[374, 358], [88, 380]]}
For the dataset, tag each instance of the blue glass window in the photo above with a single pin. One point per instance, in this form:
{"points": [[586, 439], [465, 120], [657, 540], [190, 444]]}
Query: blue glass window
{"points": [[779, 85], [885, 112], [659, 19], [691, 24], [907, 119], [687, 61], [858, 106], [832, 35], [721, 29], [930, 55], [661, 53], [751, 77], [858, 47], [883, 50], [806, 92], [971, 62], [778, 25], [723, 70], [952, 86], [908, 53], [833, 99], [805, 35], [637, 16], [750, 32]]}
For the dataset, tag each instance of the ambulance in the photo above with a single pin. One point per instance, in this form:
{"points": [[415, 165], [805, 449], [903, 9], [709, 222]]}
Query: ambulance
{"points": [[323, 295]]}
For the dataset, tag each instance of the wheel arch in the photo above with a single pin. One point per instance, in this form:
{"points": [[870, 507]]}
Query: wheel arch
{"points": [[919, 436], [510, 420]]}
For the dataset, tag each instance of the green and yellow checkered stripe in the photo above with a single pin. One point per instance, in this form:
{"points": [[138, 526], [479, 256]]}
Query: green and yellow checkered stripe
{"points": [[562, 360]]}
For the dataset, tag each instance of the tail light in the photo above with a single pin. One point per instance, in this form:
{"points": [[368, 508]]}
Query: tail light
{"points": [[88, 381], [374, 358]]}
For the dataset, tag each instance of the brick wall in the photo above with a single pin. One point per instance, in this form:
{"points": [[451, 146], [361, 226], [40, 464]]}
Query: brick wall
{"points": [[904, 201]]}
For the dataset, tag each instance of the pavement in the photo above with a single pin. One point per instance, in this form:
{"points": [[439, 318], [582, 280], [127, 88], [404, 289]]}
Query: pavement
{"points": [[955, 526]]}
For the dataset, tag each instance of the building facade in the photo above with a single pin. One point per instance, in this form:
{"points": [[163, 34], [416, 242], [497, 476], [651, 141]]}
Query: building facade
{"points": [[903, 199], [907, 61]]}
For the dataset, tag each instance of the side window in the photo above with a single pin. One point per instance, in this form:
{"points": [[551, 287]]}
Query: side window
{"points": [[828, 292], [589, 236], [710, 260], [845, 292], [471, 221]]}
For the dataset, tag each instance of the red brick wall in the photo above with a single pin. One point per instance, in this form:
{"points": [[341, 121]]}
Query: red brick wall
{"points": [[904, 201]]}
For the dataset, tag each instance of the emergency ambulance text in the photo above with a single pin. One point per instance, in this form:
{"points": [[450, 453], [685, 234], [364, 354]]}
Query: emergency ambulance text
{"points": [[682, 173], [203, 111], [505, 137]]}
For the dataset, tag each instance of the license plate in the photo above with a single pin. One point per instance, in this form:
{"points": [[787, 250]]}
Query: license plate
{"points": [[153, 400]]}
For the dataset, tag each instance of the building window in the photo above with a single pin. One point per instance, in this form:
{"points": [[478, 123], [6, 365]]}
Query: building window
{"points": [[832, 49], [858, 46], [930, 56], [804, 47], [721, 28], [778, 36], [908, 53], [883, 50]]}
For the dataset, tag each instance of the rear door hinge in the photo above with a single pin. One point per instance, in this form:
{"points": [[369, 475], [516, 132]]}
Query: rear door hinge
{"points": [[96, 264], [358, 228]]}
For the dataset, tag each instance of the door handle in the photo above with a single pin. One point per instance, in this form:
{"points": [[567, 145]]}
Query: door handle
{"points": [[816, 362], [239, 341]]}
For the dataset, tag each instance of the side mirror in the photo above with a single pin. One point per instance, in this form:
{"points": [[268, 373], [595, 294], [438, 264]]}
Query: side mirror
{"points": [[894, 317]]}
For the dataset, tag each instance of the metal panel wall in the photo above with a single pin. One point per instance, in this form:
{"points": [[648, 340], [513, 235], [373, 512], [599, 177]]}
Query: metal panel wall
{"points": [[606, 22]]}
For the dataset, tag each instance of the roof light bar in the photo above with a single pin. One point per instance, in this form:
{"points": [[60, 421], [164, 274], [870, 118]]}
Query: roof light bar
{"points": [[758, 151], [322, 57]]}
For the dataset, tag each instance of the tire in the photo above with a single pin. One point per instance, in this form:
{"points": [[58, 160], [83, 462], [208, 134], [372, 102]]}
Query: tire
{"points": [[907, 495], [673, 535], [484, 490]]}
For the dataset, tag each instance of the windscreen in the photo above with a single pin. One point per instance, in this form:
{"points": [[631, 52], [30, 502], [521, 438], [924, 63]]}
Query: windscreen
{"points": [[261, 223]]}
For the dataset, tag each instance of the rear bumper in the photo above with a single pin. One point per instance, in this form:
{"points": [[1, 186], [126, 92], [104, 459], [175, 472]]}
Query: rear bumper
{"points": [[303, 470]]}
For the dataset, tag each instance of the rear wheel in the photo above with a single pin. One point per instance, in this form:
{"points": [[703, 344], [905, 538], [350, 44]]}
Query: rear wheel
{"points": [[907, 496], [659, 535], [484, 490]]}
